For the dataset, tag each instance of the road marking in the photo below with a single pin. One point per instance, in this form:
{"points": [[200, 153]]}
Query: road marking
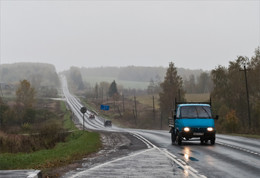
{"points": [[144, 141], [109, 162], [186, 168], [238, 148]]}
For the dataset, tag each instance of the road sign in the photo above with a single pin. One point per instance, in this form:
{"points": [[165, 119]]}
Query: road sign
{"points": [[83, 110], [104, 107]]}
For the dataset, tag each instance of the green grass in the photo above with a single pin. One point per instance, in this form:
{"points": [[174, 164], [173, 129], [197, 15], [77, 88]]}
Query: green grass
{"points": [[78, 144], [68, 123], [124, 83]]}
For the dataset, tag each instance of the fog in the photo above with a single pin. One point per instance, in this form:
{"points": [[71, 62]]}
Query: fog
{"points": [[192, 34]]}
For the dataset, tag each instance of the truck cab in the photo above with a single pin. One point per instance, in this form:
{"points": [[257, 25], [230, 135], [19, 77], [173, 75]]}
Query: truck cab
{"points": [[193, 120]]}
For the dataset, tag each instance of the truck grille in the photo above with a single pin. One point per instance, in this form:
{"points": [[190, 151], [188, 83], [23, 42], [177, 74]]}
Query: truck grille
{"points": [[199, 129]]}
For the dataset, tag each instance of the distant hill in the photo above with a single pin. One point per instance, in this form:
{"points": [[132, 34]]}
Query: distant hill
{"points": [[39, 74]]}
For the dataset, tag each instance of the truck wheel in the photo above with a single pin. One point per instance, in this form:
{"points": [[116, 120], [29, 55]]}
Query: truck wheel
{"points": [[173, 138], [202, 142], [212, 141], [179, 139]]}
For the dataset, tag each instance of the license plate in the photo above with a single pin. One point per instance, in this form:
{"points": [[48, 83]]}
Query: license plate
{"points": [[197, 133]]}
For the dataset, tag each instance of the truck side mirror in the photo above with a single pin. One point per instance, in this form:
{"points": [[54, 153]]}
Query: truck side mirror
{"points": [[216, 117]]}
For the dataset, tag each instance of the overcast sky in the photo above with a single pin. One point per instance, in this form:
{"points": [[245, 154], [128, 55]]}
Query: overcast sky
{"points": [[192, 34]]}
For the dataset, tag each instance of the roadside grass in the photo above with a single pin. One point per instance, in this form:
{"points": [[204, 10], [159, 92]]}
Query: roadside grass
{"points": [[78, 144], [148, 100], [67, 122], [245, 135]]}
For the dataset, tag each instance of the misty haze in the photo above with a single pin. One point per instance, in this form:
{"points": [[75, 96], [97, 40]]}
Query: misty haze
{"points": [[149, 88]]}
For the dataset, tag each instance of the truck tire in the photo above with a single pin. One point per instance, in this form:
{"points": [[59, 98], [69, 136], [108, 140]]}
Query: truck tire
{"points": [[202, 142], [179, 139], [173, 136], [212, 141]]}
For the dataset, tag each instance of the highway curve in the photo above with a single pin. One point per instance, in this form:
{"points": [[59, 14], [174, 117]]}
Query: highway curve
{"points": [[231, 156]]}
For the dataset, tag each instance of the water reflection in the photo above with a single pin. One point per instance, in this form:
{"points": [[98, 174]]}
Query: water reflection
{"points": [[187, 153]]}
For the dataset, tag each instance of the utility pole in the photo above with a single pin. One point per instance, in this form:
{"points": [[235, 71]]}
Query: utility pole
{"points": [[161, 119], [135, 109], [123, 103], [247, 95], [102, 94], [153, 109]]}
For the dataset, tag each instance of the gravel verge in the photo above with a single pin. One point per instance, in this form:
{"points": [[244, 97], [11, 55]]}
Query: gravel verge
{"points": [[115, 145]]}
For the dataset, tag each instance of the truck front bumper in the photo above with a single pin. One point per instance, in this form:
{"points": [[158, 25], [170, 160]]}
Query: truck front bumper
{"points": [[203, 135]]}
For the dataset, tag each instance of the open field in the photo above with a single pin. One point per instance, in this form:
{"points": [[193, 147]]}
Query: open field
{"points": [[193, 97], [124, 83], [148, 99]]}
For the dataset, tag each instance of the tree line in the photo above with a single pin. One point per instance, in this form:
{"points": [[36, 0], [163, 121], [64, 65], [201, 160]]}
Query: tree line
{"points": [[226, 86], [230, 94], [235, 92], [42, 77]]}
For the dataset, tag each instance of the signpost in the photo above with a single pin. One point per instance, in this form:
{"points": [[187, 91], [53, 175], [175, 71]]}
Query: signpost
{"points": [[83, 110], [104, 107]]}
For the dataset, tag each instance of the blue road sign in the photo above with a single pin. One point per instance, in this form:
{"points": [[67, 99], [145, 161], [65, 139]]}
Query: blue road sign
{"points": [[104, 107]]}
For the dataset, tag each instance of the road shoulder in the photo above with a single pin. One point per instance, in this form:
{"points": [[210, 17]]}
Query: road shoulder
{"points": [[115, 145]]}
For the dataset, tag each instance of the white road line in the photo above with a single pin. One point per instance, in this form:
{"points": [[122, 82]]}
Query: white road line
{"points": [[109, 162], [148, 145], [238, 148], [191, 171]]}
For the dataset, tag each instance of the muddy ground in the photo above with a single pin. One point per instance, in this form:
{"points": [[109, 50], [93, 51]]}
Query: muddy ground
{"points": [[115, 145]]}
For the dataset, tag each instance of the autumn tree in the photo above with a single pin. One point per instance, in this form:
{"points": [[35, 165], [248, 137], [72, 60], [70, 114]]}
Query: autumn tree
{"points": [[171, 89], [230, 91], [3, 109], [25, 94]]}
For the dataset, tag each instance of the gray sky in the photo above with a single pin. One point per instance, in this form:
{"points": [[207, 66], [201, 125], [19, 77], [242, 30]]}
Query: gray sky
{"points": [[192, 34]]}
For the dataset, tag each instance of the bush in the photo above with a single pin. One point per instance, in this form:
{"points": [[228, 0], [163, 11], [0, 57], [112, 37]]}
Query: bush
{"points": [[231, 123]]}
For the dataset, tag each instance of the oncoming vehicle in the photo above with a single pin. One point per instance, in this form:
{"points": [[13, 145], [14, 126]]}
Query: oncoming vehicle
{"points": [[92, 116], [108, 123], [193, 120]]}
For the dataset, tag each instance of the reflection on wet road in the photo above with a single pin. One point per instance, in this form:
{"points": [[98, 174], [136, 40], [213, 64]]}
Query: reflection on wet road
{"points": [[213, 161], [231, 156]]}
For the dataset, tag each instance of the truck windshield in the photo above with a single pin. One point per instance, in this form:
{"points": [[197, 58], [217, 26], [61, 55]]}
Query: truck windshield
{"points": [[195, 112]]}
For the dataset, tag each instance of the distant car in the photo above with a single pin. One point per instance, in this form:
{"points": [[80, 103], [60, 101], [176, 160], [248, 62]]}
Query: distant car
{"points": [[108, 123], [92, 116]]}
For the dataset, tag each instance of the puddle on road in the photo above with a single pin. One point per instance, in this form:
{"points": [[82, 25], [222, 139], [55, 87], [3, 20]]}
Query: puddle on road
{"points": [[187, 157]]}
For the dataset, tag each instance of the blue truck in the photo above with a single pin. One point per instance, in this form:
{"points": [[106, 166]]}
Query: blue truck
{"points": [[193, 119]]}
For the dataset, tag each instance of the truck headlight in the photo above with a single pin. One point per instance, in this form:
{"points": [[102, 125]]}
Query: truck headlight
{"points": [[186, 129], [210, 129]]}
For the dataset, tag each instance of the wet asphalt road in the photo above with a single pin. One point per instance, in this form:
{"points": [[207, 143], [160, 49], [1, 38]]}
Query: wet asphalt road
{"points": [[231, 156]]}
